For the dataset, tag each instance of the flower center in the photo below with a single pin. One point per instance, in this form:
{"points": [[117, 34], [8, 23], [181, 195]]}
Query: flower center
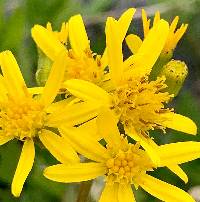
{"points": [[86, 67], [140, 103], [21, 120], [127, 165]]}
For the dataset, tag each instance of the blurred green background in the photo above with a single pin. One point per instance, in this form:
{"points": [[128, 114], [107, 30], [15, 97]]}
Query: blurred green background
{"points": [[17, 18]]}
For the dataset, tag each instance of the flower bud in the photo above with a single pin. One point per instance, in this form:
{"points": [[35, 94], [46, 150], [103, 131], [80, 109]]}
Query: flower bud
{"points": [[163, 59], [175, 72]]}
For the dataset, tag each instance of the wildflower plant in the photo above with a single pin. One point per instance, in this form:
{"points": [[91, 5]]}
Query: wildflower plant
{"points": [[82, 62], [27, 117], [175, 34], [138, 102], [104, 95], [122, 164], [173, 37]]}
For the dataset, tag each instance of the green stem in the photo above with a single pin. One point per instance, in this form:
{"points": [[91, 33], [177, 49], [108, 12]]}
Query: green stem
{"points": [[84, 191]]}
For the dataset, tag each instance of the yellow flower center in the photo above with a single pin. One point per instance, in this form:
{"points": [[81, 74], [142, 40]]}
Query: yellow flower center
{"points": [[21, 120], [128, 164], [140, 103], [86, 67]]}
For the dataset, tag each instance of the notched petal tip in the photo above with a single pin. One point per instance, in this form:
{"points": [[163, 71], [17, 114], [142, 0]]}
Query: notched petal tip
{"points": [[36, 28]]}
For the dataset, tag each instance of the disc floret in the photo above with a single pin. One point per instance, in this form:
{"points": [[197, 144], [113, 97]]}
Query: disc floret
{"points": [[22, 119], [139, 104], [127, 163], [86, 66]]}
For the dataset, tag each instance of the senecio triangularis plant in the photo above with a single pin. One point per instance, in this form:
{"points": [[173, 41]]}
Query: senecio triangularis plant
{"points": [[95, 113]]}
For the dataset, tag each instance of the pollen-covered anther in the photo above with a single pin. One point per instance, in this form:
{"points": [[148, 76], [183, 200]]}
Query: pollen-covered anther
{"points": [[22, 120], [140, 103], [86, 66], [125, 166]]}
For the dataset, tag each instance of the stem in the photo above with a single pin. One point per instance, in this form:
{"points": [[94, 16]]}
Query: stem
{"points": [[84, 191]]}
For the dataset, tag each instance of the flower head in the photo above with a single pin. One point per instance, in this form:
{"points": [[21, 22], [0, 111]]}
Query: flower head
{"points": [[139, 104], [136, 101], [122, 164], [26, 116], [82, 63], [173, 37], [22, 120]]}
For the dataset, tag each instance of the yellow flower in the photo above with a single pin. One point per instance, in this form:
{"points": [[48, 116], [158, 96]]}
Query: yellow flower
{"points": [[82, 63], [138, 103], [122, 164], [27, 117], [134, 42], [62, 35]]}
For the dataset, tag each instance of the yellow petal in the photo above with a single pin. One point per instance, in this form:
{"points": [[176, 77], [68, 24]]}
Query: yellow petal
{"points": [[177, 153], [58, 147], [24, 167], [107, 128], [3, 90], [47, 41], [110, 193], [179, 172], [180, 123], [60, 105], [149, 51], [107, 84], [148, 144], [173, 27], [104, 59], [49, 26], [5, 139], [163, 190], [90, 128], [114, 50], [77, 35], [85, 144], [125, 21], [125, 193], [156, 18], [73, 114], [55, 79], [145, 22], [178, 34], [134, 42], [75, 172], [36, 90], [87, 91], [14, 81], [63, 34]]}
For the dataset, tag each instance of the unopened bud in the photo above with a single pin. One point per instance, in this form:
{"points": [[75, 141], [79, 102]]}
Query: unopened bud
{"points": [[175, 73], [43, 69], [163, 59]]}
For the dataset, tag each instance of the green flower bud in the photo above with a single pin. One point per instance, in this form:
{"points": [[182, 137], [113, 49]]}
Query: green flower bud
{"points": [[175, 72], [163, 59], [43, 69]]}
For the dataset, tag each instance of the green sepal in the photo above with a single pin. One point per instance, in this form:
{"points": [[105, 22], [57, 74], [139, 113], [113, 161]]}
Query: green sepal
{"points": [[163, 59], [43, 68]]}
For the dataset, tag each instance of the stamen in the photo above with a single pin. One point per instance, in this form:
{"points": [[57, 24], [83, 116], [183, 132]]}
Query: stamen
{"points": [[140, 103], [86, 67]]}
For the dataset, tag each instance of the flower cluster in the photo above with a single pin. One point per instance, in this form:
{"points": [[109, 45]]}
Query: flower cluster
{"points": [[90, 98]]}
